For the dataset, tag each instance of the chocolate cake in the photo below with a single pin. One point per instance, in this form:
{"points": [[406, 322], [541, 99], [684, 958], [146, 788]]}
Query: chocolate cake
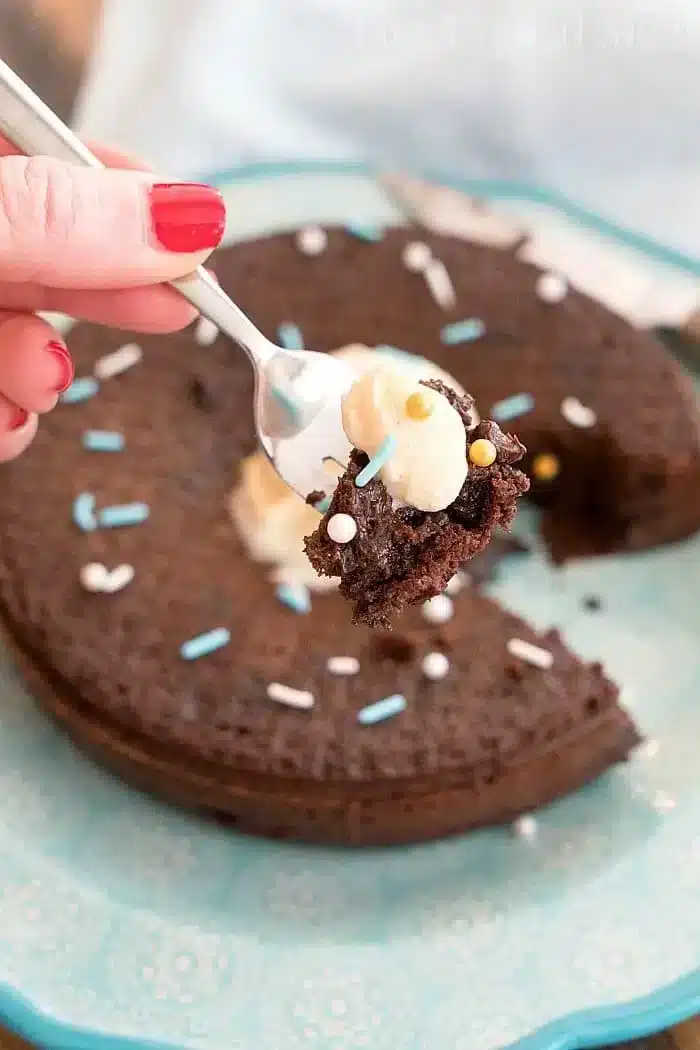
{"points": [[166, 651]]}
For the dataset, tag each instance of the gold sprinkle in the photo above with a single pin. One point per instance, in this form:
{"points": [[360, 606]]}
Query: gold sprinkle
{"points": [[418, 406], [482, 452], [546, 466]]}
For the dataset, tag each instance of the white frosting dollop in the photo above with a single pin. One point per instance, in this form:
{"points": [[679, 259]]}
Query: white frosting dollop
{"points": [[429, 463]]}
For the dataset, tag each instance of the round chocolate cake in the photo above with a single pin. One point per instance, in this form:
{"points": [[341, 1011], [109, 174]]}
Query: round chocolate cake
{"points": [[197, 677]]}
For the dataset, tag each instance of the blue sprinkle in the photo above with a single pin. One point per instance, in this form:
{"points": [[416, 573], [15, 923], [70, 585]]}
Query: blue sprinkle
{"points": [[384, 453], [286, 402], [365, 233], [84, 512], [80, 390], [205, 643], [124, 514], [463, 331], [323, 504], [512, 407], [103, 441], [290, 336], [386, 708], [297, 597]]}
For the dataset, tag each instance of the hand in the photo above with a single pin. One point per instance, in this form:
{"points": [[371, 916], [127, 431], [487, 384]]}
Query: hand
{"points": [[94, 244]]}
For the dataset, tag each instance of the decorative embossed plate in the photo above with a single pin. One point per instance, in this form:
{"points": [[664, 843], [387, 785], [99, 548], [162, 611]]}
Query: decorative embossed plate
{"points": [[122, 920]]}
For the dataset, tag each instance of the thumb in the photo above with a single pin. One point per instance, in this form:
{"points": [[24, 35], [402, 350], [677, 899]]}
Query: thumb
{"points": [[65, 226]]}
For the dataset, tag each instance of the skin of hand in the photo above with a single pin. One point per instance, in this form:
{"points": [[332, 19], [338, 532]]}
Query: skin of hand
{"points": [[98, 245]]}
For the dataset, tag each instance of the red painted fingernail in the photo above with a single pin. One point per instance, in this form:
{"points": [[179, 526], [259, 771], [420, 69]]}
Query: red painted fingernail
{"points": [[187, 216], [65, 364], [18, 419]]}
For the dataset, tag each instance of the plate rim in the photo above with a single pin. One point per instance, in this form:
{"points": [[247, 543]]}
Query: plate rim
{"points": [[598, 1026]]}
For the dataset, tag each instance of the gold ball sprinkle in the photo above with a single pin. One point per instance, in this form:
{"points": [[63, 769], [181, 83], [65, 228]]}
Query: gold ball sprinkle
{"points": [[482, 452], [418, 406], [546, 466]]}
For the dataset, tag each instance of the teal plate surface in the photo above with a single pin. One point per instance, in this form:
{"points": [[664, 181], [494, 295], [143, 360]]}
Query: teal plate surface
{"points": [[126, 924]]}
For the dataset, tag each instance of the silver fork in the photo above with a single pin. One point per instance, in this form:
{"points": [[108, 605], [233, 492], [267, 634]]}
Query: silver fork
{"points": [[297, 392]]}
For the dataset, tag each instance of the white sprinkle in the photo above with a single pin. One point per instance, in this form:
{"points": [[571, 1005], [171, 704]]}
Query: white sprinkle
{"points": [[440, 284], [435, 666], [647, 749], [416, 256], [343, 665], [525, 827], [119, 578], [312, 240], [284, 694], [119, 361], [457, 583], [531, 654], [205, 332], [93, 577], [438, 609], [341, 528], [577, 414], [662, 802], [551, 287]]}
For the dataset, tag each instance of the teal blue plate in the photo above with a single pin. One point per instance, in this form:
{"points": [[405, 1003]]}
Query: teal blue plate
{"points": [[126, 924]]}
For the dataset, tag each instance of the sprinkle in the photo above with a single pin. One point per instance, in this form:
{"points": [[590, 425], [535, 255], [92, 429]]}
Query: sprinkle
{"points": [[418, 406], [341, 528], [440, 284], [295, 597], [577, 414], [84, 512], [124, 514], [546, 466], [512, 407], [647, 749], [458, 581], [662, 802], [323, 504], [206, 643], [416, 256], [463, 331], [435, 666], [119, 578], [551, 287], [205, 332], [482, 452], [438, 609], [80, 390], [284, 694], [531, 654], [381, 457], [382, 709], [103, 441], [287, 403], [119, 361], [525, 827], [312, 240], [290, 336], [343, 665], [398, 353], [365, 233], [592, 602], [93, 577]]}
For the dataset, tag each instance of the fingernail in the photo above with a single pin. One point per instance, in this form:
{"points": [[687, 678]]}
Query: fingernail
{"points": [[187, 216], [18, 419], [65, 364]]}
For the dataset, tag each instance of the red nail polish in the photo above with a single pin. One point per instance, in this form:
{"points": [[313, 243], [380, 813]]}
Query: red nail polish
{"points": [[18, 418], [65, 364], [187, 216]]}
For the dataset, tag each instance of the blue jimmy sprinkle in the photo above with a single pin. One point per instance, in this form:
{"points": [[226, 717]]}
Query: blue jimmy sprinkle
{"points": [[84, 512], [290, 336], [323, 504], [365, 233], [80, 390], [463, 331], [206, 643], [124, 514], [296, 598], [103, 441], [382, 709], [384, 453], [512, 407], [286, 402]]}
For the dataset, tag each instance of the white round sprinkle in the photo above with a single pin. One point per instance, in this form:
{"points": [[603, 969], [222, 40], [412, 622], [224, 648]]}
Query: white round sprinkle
{"points": [[438, 609], [205, 332], [312, 240], [119, 578], [93, 577], [440, 284], [416, 256], [529, 653], [341, 528], [551, 287], [119, 361], [343, 665], [284, 694], [457, 583], [525, 827], [435, 666], [577, 414]]}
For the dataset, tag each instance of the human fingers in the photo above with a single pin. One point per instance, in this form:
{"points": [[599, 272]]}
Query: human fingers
{"points": [[17, 430], [35, 366]]}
